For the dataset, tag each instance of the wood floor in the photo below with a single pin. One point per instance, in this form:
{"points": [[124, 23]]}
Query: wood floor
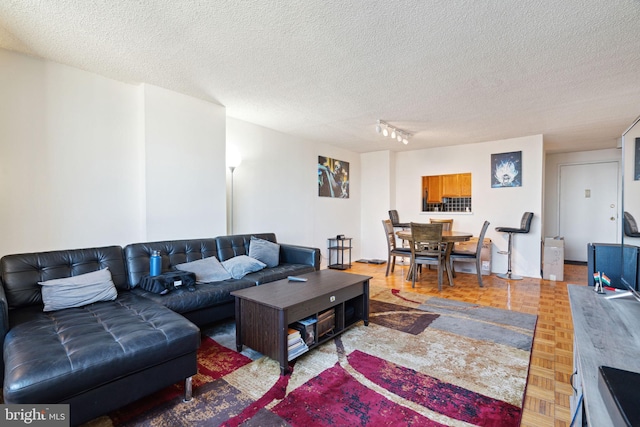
{"points": [[548, 390]]}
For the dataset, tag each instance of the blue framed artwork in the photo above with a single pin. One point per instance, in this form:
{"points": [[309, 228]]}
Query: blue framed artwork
{"points": [[333, 178], [506, 169]]}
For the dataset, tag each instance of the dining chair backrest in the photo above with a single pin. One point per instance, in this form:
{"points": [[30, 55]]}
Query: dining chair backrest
{"points": [[426, 239], [481, 237], [447, 223], [391, 238], [394, 217]]}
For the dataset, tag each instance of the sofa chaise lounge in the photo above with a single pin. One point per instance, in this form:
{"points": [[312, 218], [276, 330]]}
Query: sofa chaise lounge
{"points": [[101, 356]]}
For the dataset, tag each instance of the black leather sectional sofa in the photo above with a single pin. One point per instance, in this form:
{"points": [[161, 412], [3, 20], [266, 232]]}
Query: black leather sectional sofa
{"points": [[104, 355]]}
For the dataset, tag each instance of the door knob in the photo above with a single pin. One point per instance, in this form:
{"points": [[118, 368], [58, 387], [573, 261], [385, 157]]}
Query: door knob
{"points": [[612, 218]]}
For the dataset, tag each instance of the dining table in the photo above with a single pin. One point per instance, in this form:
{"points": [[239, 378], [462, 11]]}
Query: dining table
{"points": [[450, 237]]}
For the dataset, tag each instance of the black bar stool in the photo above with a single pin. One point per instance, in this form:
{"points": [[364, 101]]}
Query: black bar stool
{"points": [[525, 226]]}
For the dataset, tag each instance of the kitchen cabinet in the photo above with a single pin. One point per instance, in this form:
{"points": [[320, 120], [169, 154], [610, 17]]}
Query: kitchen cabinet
{"points": [[433, 184], [464, 183], [456, 185]]}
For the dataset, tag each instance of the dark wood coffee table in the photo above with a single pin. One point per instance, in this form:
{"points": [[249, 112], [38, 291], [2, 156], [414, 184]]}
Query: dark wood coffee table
{"points": [[264, 313]]}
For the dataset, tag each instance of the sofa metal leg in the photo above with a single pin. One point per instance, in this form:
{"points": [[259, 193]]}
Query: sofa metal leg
{"points": [[188, 389]]}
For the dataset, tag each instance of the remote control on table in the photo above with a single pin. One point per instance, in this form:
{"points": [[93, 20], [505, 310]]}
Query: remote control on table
{"points": [[297, 279]]}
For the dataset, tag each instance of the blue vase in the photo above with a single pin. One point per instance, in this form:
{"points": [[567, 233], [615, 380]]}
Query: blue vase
{"points": [[156, 264]]}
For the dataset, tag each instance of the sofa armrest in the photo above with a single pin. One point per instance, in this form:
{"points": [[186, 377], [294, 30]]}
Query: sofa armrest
{"points": [[4, 314], [293, 254], [4, 323]]}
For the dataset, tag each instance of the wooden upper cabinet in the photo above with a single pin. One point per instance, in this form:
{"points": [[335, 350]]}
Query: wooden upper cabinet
{"points": [[464, 182], [438, 186], [434, 187], [456, 185], [450, 186]]}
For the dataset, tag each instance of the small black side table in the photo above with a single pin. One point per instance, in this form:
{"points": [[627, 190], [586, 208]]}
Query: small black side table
{"points": [[337, 249]]}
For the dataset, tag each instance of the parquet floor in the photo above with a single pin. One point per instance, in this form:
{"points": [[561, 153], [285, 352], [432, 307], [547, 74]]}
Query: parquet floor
{"points": [[548, 390]]}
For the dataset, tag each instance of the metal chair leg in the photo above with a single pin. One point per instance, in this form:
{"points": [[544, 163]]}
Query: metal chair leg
{"points": [[188, 389], [509, 275]]}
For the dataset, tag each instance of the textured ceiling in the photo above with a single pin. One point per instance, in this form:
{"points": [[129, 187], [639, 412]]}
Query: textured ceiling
{"points": [[448, 71]]}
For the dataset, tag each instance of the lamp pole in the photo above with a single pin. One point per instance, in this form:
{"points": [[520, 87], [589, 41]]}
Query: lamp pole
{"points": [[232, 168], [233, 161]]}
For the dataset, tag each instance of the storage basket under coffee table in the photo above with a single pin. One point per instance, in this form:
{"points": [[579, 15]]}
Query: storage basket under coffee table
{"points": [[264, 313]]}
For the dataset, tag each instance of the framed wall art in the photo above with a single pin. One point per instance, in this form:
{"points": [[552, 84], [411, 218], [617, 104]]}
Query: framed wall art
{"points": [[506, 169], [333, 178]]}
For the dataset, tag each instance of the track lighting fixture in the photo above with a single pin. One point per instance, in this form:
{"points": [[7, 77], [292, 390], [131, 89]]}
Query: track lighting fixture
{"points": [[387, 130]]}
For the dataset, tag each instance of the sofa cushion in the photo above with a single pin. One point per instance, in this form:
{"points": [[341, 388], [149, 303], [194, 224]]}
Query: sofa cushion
{"points": [[173, 252], [77, 291], [265, 251], [204, 295], [241, 265], [280, 272], [238, 244], [206, 270], [22, 272], [80, 349]]}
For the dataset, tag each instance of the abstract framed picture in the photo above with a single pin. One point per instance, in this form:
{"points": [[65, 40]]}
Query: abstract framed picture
{"points": [[506, 169], [333, 178], [636, 171]]}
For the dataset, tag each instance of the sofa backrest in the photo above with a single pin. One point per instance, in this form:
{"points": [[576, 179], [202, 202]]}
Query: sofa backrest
{"points": [[21, 272], [238, 244], [173, 252]]}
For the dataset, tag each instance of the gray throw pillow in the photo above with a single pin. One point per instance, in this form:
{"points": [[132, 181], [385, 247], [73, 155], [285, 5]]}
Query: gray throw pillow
{"points": [[206, 270], [78, 291], [265, 251], [241, 265]]}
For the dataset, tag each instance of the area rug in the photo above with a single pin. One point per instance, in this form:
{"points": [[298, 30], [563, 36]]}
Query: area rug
{"points": [[422, 361]]}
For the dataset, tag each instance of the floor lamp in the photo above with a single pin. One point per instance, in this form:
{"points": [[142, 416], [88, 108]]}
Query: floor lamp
{"points": [[233, 161]]}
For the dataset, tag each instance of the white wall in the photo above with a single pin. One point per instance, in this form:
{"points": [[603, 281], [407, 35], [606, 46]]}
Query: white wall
{"points": [[276, 189], [72, 160], [500, 206], [68, 157], [185, 166], [378, 177]]}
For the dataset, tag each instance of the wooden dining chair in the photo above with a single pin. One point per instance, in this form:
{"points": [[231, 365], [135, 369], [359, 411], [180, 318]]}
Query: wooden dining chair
{"points": [[427, 248], [392, 250], [447, 223], [470, 256]]}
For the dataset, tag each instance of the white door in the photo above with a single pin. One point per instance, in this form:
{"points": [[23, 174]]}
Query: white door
{"points": [[588, 207]]}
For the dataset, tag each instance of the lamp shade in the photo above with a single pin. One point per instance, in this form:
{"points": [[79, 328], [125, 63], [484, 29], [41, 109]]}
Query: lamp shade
{"points": [[233, 157]]}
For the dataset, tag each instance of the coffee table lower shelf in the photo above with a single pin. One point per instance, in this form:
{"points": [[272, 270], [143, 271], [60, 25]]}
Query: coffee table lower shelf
{"points": [[264, 313]]}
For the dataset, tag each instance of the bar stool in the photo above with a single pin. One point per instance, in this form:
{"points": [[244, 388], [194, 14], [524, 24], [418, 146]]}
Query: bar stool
{"points": [[525, 226]]}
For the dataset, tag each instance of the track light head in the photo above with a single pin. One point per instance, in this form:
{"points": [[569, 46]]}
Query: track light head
{"points": [[388, 130]]}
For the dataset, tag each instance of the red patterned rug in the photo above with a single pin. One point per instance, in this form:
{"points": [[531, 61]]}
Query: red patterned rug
{"points": [[421, 361]]}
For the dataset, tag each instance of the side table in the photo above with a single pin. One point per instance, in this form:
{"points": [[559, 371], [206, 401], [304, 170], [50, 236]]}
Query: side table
{"points": [[337, 248]]}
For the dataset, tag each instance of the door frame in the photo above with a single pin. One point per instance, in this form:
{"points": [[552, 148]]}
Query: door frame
{"points": [[586, 163]]}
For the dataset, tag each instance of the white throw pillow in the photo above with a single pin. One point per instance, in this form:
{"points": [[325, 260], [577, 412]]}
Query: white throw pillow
{"points": [[78, 291]]}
